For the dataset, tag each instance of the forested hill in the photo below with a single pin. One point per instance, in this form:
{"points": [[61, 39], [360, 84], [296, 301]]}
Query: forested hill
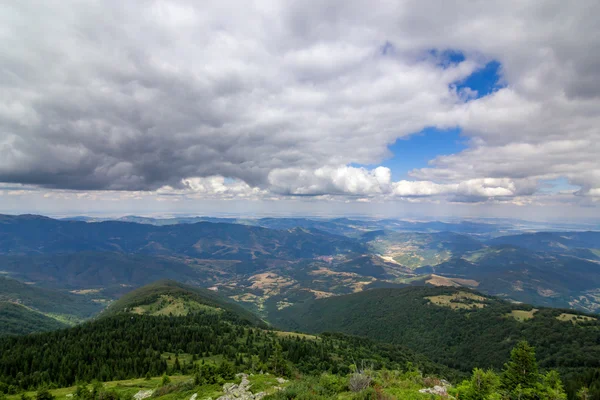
{"points": [[167, 297], [16, 319], [454, 326], [125, 346], [46, 300]]}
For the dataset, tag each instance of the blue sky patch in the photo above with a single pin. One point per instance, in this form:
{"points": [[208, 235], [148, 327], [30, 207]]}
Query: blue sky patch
{"points": [[484, 81], [417, 150]]}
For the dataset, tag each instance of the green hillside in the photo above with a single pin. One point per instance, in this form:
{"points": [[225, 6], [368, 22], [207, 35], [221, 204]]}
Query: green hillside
{"points": [[97, 270], [168, 297], [454, 326], [58, 304], [545, 279], [16, 319], [126, 346]]}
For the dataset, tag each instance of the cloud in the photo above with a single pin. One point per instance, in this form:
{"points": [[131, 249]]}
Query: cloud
{"points": [[331, 180], [277, 99]]}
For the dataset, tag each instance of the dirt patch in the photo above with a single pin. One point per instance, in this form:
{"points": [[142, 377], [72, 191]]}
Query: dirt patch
{"points": [[437, 280]]}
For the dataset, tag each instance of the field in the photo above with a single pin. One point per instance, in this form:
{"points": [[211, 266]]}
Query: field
{"points": [[176, 390], [565, 317], [126, 388], [459, 300], [522, 315]]}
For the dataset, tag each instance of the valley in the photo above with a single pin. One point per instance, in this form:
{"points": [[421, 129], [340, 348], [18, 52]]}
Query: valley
{"points": [[445, 302]]}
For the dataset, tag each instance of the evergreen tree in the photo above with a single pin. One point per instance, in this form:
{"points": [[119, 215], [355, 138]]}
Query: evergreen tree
{"points": [[583, 394], [480, 387], [521, 370], [553, 387], [277, 362]]}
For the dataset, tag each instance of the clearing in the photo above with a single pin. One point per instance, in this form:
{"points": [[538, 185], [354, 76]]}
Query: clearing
{"points": [[522, 315], [574, 318], [459, 300]]}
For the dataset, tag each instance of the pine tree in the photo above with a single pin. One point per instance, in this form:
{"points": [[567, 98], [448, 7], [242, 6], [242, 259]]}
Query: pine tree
{"points": [[521, 370], [553, 386]]}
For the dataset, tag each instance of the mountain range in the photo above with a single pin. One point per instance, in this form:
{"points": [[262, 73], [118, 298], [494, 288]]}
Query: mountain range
{"points": [[271, 263]]}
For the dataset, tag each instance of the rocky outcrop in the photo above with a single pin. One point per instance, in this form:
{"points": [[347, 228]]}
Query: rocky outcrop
{"points": [[241, 391], [439, 390], [143, 394]]}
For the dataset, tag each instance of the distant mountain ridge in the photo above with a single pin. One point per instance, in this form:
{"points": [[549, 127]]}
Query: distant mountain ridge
{"points": [[23, 235]]}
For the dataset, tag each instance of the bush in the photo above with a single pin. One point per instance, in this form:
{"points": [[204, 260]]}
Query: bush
{"points": [[108, 395], [359, 381], [333, 384], [43, 394], [366, 394], [173, 387]]}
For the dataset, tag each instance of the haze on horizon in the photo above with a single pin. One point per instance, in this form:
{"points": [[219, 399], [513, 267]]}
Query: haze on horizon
{"points": [[403, 108]]}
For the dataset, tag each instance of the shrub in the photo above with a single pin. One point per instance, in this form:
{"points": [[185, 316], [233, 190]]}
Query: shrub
{"points": [[359, 381], [172, 387], [333, 384], [43, 394], [366, 394]]}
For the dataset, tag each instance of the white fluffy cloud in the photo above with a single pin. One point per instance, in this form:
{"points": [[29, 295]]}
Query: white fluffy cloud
{"points": [[283, 98]]}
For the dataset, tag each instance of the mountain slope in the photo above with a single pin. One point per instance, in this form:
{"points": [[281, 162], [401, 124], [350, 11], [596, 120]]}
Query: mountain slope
{"points": [[168, 297], [561, 242], [541, 278], [462, 332], [46, 300], [97, 269], [125, 346], [16, 319]]}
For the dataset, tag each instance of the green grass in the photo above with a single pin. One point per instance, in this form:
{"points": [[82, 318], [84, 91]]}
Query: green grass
{"points": [[263, 383], [126, 388], [457, 300], [395, 384], [574, 318], [522, 315]]}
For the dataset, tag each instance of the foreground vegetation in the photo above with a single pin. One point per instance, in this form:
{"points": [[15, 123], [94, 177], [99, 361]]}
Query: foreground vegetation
{"points": [[168, 329], [519, 379], [459, 328]]}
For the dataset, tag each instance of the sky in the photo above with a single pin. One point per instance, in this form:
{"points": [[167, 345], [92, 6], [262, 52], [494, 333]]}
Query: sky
{"points": [[392, 108]]}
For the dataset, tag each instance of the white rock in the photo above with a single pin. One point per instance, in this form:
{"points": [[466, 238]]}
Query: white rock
{"points": [[143, 394]]}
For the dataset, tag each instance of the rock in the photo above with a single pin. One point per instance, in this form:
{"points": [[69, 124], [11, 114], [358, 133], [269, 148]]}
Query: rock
{"points": [[194, 396], [437, 390], [241, 391], [281, 380], [143, 394]]}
